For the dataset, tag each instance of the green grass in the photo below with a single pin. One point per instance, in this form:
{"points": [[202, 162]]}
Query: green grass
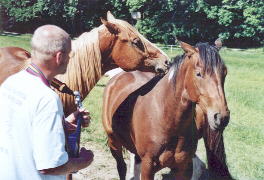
{"points": [[244, 87], [22, 41], [244, 136]]}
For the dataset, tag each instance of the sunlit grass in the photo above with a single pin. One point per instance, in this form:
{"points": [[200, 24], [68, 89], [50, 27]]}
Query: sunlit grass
{"points": [[22, 41]]}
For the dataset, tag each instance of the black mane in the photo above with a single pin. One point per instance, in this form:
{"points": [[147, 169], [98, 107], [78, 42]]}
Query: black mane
{"points": [[209, 55]]}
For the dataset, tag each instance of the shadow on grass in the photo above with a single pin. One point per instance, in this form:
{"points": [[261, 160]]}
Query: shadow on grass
{"points": [[100, 85]]}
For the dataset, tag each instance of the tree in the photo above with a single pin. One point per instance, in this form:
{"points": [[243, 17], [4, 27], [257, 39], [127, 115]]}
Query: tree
{"points": [[239, 23]]}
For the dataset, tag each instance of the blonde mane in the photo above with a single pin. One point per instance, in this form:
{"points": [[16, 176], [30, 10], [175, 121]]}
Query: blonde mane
{"points": [[84, 68]]}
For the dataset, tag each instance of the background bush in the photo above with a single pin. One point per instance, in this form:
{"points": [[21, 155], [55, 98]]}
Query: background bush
{"points": [[239, 23]]}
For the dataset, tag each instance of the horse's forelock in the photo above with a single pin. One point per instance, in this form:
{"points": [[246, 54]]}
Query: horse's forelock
{"points": [[209, 55]]}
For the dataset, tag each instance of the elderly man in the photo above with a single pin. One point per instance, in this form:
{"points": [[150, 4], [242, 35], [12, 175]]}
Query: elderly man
{"points": [[32, 125]]}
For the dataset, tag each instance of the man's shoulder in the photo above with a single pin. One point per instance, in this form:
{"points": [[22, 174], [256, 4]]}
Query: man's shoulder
{"points": [[30, 85], [19, 79]]}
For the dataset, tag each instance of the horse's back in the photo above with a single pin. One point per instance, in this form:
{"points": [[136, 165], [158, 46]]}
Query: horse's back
{"points": [[117, 90], [12, 60]]}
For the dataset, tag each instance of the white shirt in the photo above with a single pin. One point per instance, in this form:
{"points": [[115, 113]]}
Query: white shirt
{"points": [[31, 131]]}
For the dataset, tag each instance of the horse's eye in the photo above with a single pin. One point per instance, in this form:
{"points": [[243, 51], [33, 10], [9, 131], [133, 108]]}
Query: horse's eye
{"points": [[198, 74], [137, 42]]}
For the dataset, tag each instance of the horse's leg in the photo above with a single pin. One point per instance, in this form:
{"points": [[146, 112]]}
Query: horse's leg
{"points": [[134, 168], [147, 168], [120, 163]]}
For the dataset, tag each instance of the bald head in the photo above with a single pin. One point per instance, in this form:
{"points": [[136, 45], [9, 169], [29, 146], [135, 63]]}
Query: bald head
{"points": [[49, 39]]}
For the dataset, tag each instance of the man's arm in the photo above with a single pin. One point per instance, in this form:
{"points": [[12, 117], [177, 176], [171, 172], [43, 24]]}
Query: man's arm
{"points": [[48, 141], [73, 164]]}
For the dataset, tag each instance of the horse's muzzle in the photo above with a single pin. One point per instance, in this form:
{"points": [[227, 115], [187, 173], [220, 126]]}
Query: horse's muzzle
{"points": [[218, 121]]}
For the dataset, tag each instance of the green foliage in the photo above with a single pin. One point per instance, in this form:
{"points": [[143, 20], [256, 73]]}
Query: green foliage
{"points": [[1, 19], [135, 4], [239, 23], [22, 10]]}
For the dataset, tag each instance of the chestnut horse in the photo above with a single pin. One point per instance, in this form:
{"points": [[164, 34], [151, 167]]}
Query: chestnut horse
{"points": [[114, 44], [154, 117]]}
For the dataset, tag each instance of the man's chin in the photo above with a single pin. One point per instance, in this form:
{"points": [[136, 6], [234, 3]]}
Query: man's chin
{"points": [[62, 72]]}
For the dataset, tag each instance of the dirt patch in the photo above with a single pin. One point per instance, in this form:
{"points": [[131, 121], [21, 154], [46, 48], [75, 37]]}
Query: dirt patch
{"points": [[104, 166]]}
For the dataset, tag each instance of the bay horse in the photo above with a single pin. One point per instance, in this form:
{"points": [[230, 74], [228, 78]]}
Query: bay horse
{"points": [[113, 44], [160, 119]]}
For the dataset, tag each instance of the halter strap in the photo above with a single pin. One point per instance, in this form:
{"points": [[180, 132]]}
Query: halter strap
{"points": [[34, 70]]}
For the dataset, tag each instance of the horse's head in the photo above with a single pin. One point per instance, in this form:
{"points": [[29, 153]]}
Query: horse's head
{"points": [[129, 49], [205, 82]]}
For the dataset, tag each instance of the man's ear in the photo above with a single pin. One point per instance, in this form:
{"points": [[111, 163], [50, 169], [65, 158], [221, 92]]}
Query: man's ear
{"points": [[59, 58]]}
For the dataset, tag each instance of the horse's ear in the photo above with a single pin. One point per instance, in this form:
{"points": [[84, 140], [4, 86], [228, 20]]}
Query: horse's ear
{"points": [[188, 49], [110, 16], [112, 28], [218, 44]]}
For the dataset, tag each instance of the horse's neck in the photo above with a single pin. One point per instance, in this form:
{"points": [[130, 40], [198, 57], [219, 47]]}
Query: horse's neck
{"points": [[107, 41], [175, 96]]}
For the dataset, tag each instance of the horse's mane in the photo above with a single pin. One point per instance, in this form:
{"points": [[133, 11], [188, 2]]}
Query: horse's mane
{"points": [[209, 56], [174, 66], [84, 68]]}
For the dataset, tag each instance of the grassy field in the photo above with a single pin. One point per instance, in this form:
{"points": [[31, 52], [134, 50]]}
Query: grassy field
{"points": [[22, 41], [244, 87]]}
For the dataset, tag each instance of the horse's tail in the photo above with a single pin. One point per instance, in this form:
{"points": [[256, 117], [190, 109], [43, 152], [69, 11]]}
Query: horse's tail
{"points": [[216, 157]]}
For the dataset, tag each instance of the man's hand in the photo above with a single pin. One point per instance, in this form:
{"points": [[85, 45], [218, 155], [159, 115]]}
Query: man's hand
{"points": [[71, 120], [87, 156], [73, 164]]}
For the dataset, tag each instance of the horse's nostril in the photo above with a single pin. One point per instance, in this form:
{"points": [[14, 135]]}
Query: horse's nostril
{"points": [[221, 121], [167, 62], [159, 70], [217, 118]]}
